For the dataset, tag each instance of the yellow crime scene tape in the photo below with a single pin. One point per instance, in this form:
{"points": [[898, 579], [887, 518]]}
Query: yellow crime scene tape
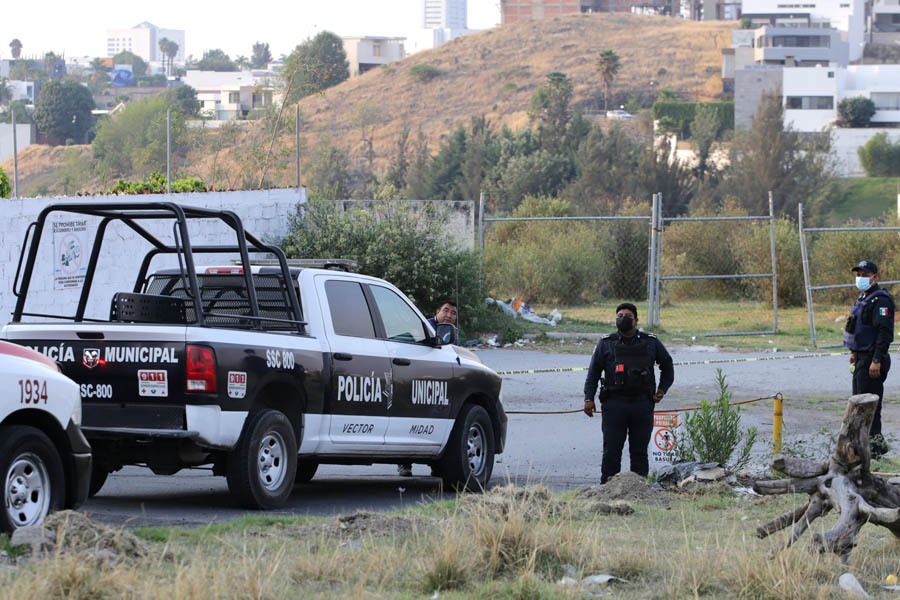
{"points": [[684, 363], [777, 396]]}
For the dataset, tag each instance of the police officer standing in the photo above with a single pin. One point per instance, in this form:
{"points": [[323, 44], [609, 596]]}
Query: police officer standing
{"points": [[628, 391], [868, 333]]}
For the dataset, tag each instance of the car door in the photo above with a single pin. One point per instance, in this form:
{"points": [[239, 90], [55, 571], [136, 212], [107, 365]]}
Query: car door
{"points": [[359, 395], [420, 418]]}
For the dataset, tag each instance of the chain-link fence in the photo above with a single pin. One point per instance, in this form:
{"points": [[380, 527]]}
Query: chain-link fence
{"points": [[828, 254], [717, 275], [703, 276]]}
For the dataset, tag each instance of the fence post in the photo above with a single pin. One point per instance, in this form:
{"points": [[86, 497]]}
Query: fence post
{"points": [[15, 156], [168, 151], [297, 133], [804, 257], [774, 260], [651, 267], [480, 234], [659, 245]]}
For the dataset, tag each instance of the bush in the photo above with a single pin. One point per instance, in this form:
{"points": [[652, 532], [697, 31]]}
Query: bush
{"points": [[424, 73], [156, 184], [755, 256], [713, 433], [5, 187], [879, 157], [406, 247], [855, 112]]}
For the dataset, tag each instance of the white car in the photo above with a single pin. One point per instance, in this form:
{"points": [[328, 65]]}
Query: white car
{"points": [[45, 461], [619, 115]]}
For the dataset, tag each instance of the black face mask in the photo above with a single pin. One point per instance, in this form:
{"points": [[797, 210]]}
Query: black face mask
{"points": [[624, 324]]}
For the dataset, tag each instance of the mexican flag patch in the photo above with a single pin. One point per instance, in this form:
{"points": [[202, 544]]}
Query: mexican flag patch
{"points": [[883, 311]]}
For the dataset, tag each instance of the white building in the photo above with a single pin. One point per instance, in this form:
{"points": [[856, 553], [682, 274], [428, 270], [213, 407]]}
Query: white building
{"points": [[812, 95], [143, 40], [368, 52], [23, 90], [231, 95], [444, 14], [847, 16]]}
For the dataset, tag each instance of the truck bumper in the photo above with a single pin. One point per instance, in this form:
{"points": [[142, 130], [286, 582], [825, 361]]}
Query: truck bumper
{"points": [[80, 475]]}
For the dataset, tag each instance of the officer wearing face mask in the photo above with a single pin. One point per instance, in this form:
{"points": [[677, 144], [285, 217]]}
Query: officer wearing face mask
{"points": [[868, 333], [623, 364]]}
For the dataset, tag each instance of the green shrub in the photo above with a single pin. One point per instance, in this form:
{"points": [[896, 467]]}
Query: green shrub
{"points": [[879, 157], [424, 73], [682, 114], [409, 248], [156, 184], [754, 252], [855, 112], [5, 186], [713, 433]]}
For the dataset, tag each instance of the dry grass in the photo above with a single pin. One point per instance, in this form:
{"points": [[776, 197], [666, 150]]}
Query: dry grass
{"points": [[687, 551]]}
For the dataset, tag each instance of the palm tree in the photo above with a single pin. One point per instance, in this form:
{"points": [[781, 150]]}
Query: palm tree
{"points": [[242, 62], [608, 64], [171, 52], [163, 46], [16, 47]]}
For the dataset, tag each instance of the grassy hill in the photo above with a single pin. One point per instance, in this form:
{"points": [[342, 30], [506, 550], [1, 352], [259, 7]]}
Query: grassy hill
{"points": [[493, 73]]}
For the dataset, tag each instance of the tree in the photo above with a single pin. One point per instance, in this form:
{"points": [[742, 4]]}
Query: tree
{"points": [[704, 129], [216, 60], [416, 188], [54, 65], [242, 62], [608, 65], [855, 112], [62, 111], [316, 65], [183, 99], [879, 157], [549, 106], [138, 66], [399, 166], [23, 115], [261, 55], [15, 48], [5, 187], [170, 51]]}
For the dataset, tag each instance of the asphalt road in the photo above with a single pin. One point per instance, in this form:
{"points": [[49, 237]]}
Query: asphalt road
{"points": [[562, 451]]}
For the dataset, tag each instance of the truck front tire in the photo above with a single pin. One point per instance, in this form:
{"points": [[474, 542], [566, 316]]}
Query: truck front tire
{"points": [[34, 483], [263, 464], [468, 460]]}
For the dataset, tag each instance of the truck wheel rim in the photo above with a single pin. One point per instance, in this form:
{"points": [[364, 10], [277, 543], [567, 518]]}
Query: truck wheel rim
{"points": [[271, 461], [27, 490], [475, 449]]}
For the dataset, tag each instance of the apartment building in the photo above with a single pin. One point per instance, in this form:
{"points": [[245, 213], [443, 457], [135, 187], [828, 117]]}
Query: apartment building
{"points": [[444, 14], [143, 40], [230, 95]]}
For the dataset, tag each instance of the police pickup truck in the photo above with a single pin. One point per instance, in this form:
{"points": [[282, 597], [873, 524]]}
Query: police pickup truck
{"points": [[263, 372], [45, 461]]}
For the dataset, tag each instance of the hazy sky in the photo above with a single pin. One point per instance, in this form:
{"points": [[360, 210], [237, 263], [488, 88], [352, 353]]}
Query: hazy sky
{"points": [[79, 28]]}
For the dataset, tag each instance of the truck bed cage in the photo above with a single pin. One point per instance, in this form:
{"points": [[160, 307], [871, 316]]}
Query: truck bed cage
{"points": [[130, 213]]}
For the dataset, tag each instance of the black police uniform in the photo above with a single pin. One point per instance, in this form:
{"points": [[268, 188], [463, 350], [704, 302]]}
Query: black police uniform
{"points": [[868, 333], [626, 397]]}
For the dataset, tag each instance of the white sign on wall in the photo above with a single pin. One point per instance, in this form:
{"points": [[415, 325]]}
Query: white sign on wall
{"points": [[70, 251]]}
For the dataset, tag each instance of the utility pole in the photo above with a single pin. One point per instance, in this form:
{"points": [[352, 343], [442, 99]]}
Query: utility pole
{"points": [[168, 151], [15, 155], [297, 128]]}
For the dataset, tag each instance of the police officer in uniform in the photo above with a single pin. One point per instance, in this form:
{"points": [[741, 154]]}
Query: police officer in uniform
{"points": [[628, 391], [868, 333]]}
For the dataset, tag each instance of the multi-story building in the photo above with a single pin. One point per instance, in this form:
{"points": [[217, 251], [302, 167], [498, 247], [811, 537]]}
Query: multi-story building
{"points": [[231, 95], [515, 11], [444, 14], [143, 40], [885, 21], [365, 53]]}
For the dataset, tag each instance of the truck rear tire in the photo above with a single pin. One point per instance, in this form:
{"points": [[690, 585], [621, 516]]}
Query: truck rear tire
{"points": [[34, 484], [468, 460], [263, 464]]}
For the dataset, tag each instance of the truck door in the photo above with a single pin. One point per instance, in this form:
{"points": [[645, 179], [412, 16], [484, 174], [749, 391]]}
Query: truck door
{"points": [[421, 412], [360, 390]]}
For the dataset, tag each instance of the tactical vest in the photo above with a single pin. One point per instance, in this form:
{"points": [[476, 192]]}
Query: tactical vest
{"points": [[633, 373], [859, 333]]}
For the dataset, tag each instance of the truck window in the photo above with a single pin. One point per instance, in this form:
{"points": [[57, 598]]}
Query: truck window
{"points": [[401, 323], [349, 309]]}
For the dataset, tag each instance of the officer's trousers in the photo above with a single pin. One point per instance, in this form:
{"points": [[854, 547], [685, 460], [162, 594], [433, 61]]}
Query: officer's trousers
{"points": [[863, 384], [626, 417]]}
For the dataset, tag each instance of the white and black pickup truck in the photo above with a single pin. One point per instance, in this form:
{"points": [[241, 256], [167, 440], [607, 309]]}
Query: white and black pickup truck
{"points": [[262, 380]]}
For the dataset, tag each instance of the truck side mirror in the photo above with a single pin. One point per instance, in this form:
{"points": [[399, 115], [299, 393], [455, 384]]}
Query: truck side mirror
{"points": [[446, 334]]}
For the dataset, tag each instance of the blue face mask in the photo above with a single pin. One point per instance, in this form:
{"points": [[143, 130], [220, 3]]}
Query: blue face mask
{"points": [[863, 283]]}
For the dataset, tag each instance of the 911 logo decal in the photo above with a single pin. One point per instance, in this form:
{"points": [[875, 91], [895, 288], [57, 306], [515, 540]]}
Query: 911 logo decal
{"points": [[153, 383], [237, 384]]}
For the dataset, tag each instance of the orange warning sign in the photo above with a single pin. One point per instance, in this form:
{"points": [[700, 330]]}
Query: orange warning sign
{"points": [[667, 420], [664, 440]]}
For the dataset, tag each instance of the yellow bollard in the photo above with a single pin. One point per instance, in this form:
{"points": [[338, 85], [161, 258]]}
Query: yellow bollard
{"points": [[776, 424]]}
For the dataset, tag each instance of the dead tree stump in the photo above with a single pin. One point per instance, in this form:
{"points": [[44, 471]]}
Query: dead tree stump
{"points": [[842, 483]]}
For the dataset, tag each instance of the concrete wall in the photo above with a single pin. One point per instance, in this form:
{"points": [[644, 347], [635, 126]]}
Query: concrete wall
{"points": [[24, 138], [846, 142], [749, 86]]}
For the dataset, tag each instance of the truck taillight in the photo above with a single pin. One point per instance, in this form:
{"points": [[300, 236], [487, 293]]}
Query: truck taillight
{"points": [[201, 369]]}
